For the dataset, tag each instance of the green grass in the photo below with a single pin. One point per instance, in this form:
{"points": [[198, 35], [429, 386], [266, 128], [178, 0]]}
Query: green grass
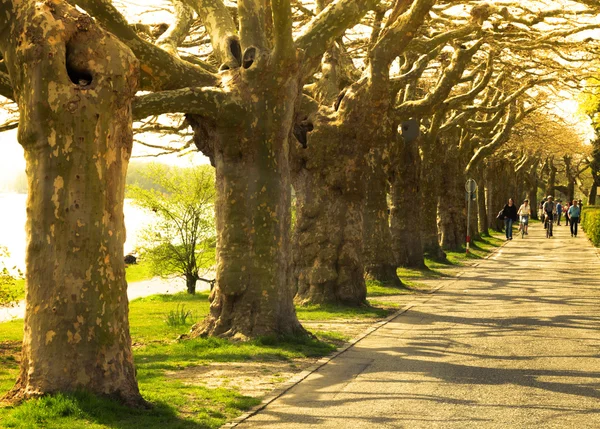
{"points": [[159, 358], [331, 312], [209, 408], [138, 272]]}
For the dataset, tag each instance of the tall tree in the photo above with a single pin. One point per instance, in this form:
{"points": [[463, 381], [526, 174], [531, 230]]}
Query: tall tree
{"points": [[74, 85]]}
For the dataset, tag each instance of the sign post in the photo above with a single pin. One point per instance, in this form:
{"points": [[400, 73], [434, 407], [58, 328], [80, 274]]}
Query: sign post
{"points": [[471, 188]]}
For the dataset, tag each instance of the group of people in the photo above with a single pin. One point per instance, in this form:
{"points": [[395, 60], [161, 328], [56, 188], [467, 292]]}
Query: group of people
{"points": [[549, 211]]}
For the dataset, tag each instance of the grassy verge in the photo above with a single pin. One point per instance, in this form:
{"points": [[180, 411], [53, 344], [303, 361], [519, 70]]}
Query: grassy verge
{"points": [[160, 360], [133, 273], [157, 323], [435, 269]]}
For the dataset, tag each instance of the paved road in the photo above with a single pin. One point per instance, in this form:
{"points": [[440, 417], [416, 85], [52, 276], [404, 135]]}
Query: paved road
{"points": [[514, 343]]}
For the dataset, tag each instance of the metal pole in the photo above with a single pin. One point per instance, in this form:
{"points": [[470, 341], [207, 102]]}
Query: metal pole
{"points": [[468, 219]]}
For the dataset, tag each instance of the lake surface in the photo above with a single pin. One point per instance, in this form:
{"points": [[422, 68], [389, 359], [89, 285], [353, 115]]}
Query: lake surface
{"points": [[12, 226]]}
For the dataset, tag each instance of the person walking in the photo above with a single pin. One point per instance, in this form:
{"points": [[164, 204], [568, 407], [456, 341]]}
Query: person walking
{"points": [[566, 210], [574, 213], [559, 209], [549, 210], [524, 212], [510, 215]]}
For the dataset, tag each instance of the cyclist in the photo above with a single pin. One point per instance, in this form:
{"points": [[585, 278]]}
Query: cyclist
{"points": [[524, 212], [549, 211]]}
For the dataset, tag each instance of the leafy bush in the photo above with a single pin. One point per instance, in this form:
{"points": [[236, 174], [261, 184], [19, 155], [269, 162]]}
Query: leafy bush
{"points": [[8, 281], [590, 222]]}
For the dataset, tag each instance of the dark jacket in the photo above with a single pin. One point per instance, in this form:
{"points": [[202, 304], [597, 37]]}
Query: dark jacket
{"points": [[510, 212]]}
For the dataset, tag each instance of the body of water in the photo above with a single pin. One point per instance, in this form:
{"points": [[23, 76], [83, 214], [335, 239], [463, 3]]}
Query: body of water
{"points": [[12, 226]]}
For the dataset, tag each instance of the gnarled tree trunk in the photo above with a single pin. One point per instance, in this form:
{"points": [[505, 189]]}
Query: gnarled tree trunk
{"points": [[452, 206], [430, 192], [329, 182], [380, 263], [407, 207], [74, 85], [253, 295]]}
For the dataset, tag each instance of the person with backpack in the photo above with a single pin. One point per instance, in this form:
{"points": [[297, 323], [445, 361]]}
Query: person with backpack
{"points": [[509, 213], [574, 213]]}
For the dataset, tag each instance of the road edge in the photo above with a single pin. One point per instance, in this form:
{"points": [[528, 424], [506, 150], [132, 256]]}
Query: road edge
{"points": [[298, 378]]}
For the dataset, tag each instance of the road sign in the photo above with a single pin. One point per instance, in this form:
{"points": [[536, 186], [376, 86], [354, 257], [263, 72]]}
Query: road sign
{"points": [[410, 130], [471, 186]]}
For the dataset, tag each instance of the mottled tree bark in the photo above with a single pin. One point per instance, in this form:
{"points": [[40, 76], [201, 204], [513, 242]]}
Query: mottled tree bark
{"points": [[532, 195], [253, 295], [407, 207], [330, 190], [329, 179], [451, 208], [74, 85], [380, 263], [430, 191]]}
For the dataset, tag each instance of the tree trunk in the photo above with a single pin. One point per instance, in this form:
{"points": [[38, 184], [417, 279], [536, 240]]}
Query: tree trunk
{"points": [[407, 207], [533, 202], [75, 129], [380, 263], [328, 240], [451, 211], [190, 283], [482, 210], [430, 195], [592, 195], [253, 295], [551, 183]]}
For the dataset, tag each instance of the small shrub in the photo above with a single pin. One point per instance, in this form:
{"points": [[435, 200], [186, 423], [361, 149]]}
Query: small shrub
{"points": [[180, 316], [9, 292], [590, 222]]}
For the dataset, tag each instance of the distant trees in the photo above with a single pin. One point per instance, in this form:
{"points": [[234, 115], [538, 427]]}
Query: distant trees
{"points": [[182, 238]]}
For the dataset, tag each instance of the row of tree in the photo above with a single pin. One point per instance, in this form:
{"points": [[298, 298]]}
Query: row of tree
{"points": [[323, 97]]}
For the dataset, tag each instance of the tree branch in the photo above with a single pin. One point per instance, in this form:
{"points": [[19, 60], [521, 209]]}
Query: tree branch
{"points": [[252, 15], [160, 70], [322, 30], [222, 30], [208, 102], [282, 26], [177, 32], [6, 89]]}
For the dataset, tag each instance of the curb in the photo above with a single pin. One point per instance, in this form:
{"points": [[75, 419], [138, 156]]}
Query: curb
{"points": [[288, 385]]}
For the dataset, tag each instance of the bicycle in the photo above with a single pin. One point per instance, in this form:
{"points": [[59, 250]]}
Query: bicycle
{"points": [[522, 224]]}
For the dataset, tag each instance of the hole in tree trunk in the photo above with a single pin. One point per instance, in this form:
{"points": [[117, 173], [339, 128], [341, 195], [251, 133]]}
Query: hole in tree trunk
{"points": [[75, 64], [236, 50], [249, 57]]}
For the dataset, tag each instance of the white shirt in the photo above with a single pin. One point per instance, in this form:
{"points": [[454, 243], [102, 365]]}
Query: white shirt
{"points": [[525, 210]]}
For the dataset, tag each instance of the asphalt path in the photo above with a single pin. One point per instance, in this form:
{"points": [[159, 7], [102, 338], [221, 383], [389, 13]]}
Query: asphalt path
{"points": [[512, 343]]}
